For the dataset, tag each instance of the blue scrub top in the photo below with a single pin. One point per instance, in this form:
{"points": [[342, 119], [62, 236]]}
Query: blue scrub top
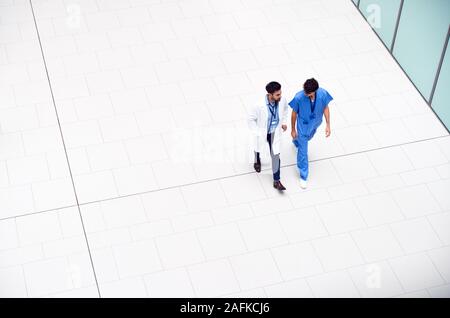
{"points": [[302, 106]]}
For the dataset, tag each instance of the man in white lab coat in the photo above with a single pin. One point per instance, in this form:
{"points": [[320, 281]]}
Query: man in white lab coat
{"points": [[267, 121]]}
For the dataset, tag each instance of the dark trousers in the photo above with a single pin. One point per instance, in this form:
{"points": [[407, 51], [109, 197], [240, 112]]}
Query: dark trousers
{"points": [[276, 162]]}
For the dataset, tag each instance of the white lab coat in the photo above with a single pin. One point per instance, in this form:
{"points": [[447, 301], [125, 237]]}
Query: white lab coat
{"points": [[257, 122]]}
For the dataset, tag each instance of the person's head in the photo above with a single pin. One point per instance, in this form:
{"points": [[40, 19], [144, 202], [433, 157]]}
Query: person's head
{"points": [[310, 87], [274, 91]]}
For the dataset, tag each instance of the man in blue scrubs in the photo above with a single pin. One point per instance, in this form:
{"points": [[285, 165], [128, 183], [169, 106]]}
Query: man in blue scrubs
{"points": [[308, 108]]}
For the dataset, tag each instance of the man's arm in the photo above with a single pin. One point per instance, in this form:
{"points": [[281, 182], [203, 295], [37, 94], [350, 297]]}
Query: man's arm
{"points": [[326, 113], [252, 120], [293, 119], [293, 122]]}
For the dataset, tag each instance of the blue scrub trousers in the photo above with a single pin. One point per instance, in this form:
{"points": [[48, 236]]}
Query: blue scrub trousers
{"points": [[302, 153]]}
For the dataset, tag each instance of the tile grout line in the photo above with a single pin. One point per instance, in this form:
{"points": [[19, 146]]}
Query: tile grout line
{"points": [[197, 239], [37, 212], [252, 172], [236, 223], [444, 281], [225, 177], [64, 146]]}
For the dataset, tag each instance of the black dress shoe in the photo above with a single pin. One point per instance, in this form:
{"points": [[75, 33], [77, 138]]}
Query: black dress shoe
{"points": [[257, 166], [277, 185]]}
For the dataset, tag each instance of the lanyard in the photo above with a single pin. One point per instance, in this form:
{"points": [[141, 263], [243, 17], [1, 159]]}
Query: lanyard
{"points": [[273, 113], [313, 106]]}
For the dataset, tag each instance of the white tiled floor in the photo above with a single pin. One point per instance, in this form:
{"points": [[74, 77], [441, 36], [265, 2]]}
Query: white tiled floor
{"points": [[127, 171]]}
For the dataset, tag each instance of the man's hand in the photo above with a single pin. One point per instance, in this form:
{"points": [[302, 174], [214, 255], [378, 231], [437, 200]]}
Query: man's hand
{"points": [[328, 131], [294, 134], [284, 127]]}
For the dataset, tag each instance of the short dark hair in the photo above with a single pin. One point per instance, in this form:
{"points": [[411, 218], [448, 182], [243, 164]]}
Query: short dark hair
{"points": [[310, 86], [273, 87]]}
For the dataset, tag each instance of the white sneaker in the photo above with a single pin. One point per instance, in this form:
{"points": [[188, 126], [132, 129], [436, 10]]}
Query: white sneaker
{"points": [[303, 184]]}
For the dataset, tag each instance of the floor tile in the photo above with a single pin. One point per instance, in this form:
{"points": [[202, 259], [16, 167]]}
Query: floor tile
{"points": [[294, 289], [423, 154], [407, 267], [221, 241], [438, 190], [378, 209], [441, 258], [297, 261], [332, 285], [125, 288], [302, 225], [250, 276], [340, 217], [242, 189], [415, 235], [172, 283], [354, 168], [213, 279], [179, 250], [440, 223], [376, 280], [377, 243], [262, 232], [337, 252], [416, 201], [136, 258]]}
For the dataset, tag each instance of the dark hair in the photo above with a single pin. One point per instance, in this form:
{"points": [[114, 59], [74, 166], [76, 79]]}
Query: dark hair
{"points": [[310, 86], [272, 87]]}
